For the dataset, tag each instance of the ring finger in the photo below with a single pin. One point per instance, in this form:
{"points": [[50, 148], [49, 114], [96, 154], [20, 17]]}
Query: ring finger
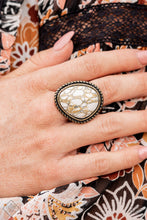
{"points": [[122, 87], [105, 127], [117, 87]]}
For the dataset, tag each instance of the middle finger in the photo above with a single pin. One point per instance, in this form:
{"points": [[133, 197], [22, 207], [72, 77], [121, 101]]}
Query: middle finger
{"points": [[88, 67]]}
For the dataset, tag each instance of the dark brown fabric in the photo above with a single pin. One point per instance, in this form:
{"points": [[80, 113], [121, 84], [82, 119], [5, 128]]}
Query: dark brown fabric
{"points": [[118, 23]]}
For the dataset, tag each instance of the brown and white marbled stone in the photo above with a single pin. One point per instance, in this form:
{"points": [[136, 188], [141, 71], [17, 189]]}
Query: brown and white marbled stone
{"points": [[79, 101]]}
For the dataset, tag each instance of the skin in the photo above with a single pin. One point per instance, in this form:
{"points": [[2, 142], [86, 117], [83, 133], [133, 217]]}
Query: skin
{"points": [[38, 145]]}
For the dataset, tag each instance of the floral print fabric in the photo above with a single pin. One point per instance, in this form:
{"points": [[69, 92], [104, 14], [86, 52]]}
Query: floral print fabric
{"points": [[27, 37], [118, 196], [9, 22]]}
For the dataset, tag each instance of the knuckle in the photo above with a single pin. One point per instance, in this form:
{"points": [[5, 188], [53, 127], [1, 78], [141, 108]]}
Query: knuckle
{"points": [[36, 59], [91, 64], [110, 125], [36, 109], [46, 111], [43, 109], [37, 112], [48, 142], [101, 165], [51, 140], [127, 160], [142, 83], [31, 84], [45, 174], [118, 55], [144, 120], [109, 89]]}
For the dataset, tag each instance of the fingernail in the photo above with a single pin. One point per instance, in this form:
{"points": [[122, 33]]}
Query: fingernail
{"points": [[63, 40], [142, 153], [142, 56]]}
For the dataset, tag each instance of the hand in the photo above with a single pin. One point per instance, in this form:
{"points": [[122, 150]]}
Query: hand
{"points": [[38, 145]]}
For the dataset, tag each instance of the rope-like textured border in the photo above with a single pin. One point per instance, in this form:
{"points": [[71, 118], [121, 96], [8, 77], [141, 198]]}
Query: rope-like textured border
{"points": [[71, 117]]}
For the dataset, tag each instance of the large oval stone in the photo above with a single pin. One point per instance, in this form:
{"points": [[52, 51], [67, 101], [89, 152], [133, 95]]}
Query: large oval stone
{"points": [[79, 101]]}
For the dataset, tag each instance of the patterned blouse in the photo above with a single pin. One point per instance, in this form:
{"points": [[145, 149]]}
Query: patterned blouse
{"points": [[99, 25]]}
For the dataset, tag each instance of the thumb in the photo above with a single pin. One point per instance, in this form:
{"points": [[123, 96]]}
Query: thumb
{"points": [[60, 52]]}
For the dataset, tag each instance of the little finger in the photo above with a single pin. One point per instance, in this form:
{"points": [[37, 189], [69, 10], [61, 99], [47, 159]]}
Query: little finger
{"points": [[102, 163]]}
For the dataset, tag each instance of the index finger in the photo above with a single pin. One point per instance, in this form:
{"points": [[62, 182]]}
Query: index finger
{"points": [[91, 66]]}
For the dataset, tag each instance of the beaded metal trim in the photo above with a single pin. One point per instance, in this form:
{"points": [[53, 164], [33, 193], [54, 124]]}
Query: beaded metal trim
{"points": [[72, 117]]}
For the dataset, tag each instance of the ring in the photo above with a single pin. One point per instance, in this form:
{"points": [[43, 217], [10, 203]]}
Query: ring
{"points": [[79, 101]]}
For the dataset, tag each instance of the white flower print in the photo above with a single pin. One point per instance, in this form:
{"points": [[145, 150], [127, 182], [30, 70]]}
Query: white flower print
{"points": [[120, 204], [22, 53]]}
